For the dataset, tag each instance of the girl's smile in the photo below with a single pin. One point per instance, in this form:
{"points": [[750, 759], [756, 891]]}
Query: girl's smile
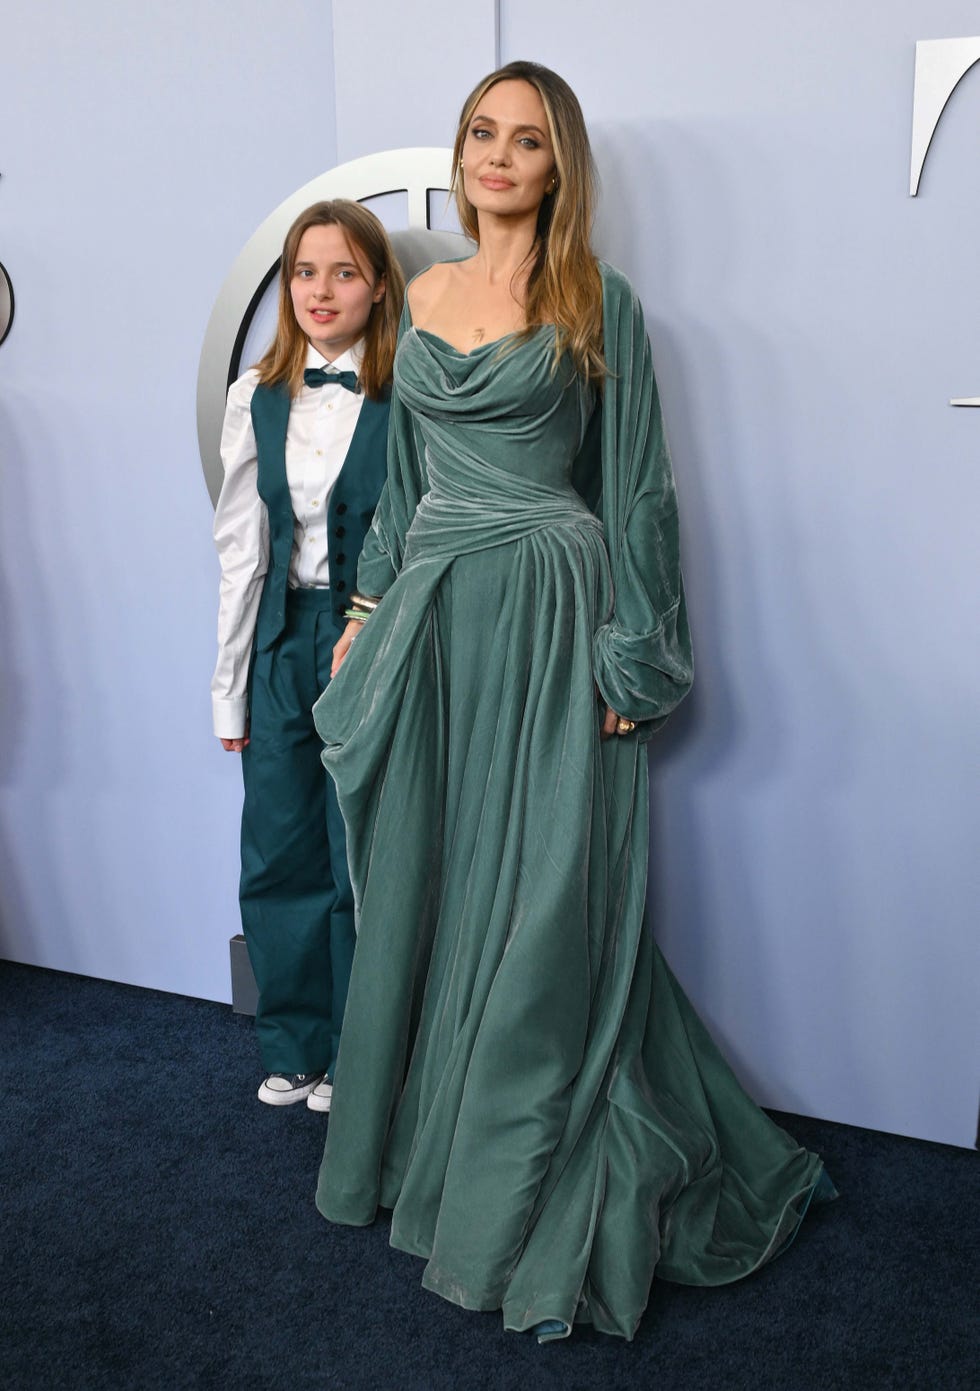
{"points": [[333, 290]]}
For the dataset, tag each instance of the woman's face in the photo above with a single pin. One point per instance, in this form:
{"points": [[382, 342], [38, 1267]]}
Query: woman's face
{"points": [[333, 293], [508, 156]]}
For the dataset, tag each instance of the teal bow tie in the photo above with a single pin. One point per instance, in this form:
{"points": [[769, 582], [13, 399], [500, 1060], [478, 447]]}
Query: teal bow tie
{"points": [[316, 376]]}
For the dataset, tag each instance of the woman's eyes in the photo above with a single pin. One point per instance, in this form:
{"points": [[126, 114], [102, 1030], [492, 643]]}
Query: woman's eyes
{"points": [[528, 142]]}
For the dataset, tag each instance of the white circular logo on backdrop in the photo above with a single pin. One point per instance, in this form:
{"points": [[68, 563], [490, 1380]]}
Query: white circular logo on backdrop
{"points": [[6, 303]]}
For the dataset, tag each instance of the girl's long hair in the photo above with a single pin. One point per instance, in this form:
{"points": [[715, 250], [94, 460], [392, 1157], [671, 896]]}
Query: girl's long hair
{"points": [[370, 248], [564, 287]]}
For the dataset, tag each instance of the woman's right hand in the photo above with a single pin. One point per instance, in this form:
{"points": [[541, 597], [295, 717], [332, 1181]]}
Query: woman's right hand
{"points": [[343, 644]]}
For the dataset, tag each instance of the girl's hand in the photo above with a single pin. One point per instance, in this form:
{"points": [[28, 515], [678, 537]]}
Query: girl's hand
{"points": [[235, 745], [343, 645]]}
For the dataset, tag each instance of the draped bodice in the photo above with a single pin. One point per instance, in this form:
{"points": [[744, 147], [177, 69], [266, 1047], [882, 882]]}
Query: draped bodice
{"points": [[500, 427]]}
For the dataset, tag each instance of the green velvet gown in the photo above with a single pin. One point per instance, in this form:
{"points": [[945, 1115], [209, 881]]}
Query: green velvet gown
{"points": [[520, 1077]]}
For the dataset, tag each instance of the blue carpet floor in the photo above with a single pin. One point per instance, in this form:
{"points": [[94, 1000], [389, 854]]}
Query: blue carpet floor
{"points": [[159, 1232]]}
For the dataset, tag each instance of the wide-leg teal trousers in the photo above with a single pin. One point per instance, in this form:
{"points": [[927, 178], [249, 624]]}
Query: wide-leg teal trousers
{"points": [[296, 899]]}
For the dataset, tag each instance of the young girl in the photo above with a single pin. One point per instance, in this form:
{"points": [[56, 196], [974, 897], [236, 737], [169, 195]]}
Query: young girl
{"points": [[304, 449]]}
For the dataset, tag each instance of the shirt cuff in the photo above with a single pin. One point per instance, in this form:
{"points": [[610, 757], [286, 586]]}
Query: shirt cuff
{"points": [[230, 716]]}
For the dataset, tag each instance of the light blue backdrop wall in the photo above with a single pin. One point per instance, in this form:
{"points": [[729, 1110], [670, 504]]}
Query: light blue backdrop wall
{"points": [[814, 878], [815, 806], [141, 146]]}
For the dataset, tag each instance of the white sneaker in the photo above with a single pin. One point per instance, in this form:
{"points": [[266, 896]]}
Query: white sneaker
{"points": [[320, 1097], [283, 1088]]}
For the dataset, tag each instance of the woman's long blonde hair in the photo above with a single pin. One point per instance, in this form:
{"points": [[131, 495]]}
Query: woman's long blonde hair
{"points": [[564, 287], [370, 248]]}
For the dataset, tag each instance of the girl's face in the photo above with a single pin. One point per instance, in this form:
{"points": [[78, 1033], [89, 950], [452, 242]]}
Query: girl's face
{"points": [[333, 293], [508, 156]]}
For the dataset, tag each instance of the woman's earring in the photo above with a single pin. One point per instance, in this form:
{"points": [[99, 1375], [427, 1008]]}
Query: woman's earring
{"points": [[553, 185]]}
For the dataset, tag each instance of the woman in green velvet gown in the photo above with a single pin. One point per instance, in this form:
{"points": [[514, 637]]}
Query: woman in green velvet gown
{"points": [[521, 1080]]}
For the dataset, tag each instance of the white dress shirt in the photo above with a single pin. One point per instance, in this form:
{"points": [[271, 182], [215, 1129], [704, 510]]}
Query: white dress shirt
{"points": [[321, 426]]}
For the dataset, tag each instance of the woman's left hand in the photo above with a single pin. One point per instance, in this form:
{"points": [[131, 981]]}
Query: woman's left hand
{"points": [[615, 724], [612, 722]]}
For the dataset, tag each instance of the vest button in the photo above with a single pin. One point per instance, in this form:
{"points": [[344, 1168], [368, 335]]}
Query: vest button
{"points": [[341, 508], [340, 531], [340, 586], [339, 559]]}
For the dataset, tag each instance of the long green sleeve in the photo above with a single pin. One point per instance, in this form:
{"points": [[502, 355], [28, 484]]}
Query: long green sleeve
{"points": [[643, 660]]}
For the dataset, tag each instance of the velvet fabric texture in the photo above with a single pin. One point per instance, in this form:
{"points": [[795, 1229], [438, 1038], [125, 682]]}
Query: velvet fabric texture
{"points": [[520, 1077]]}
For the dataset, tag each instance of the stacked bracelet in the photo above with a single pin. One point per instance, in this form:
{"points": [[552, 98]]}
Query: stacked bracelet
{"points": [[361, 607]]}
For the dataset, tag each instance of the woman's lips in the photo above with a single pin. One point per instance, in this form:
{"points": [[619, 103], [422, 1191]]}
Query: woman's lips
{"points": [[493, 182]]}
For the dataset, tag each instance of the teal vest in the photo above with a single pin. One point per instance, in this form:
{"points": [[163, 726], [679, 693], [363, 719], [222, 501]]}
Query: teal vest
{"points": [[352, 502]]}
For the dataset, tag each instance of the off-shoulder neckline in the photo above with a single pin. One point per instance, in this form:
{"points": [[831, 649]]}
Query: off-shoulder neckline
{"points": [[438, 338]]}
